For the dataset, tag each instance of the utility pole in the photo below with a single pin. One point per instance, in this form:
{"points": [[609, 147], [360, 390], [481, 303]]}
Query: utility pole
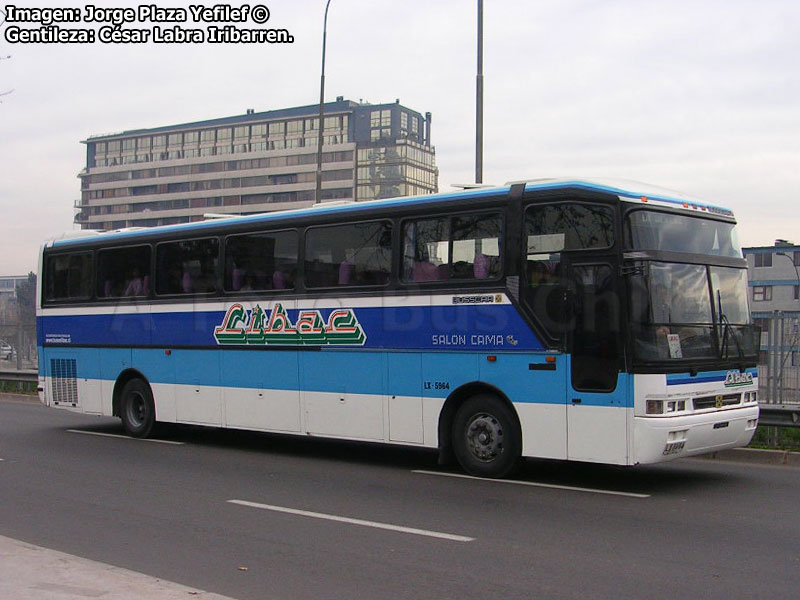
{"points": [[479, 101], [321, 125]]}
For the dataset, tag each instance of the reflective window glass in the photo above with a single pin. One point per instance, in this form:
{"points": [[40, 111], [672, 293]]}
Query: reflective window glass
{"points": [[261, 261], [356, 254]]}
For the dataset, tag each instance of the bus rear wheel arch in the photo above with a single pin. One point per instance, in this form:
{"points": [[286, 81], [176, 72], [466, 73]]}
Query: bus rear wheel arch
{"points": [[136, 408], [483, 433]]}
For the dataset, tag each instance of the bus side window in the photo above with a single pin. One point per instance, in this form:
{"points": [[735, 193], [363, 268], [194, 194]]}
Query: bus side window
{"points": [[187, 266], [459, 247]]}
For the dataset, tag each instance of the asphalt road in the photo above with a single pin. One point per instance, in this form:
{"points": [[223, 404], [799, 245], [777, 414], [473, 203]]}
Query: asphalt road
{"points": [[256, 516]]}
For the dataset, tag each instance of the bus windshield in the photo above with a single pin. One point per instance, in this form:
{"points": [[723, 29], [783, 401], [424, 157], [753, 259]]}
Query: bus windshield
{"points": [[688, 311], [652, 230]]}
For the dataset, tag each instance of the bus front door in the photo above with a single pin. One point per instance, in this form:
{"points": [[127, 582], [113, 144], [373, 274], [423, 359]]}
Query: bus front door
{"points": [[596, 417]]}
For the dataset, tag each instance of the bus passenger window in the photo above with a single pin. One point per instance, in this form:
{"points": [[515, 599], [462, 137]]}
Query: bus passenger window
{"points": [[123, 272], [460, 247], [187, 266], [260, 261], [68, 277], [355, 254]]}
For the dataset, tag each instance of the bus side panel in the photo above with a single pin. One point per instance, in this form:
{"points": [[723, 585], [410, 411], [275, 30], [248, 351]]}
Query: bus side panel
{"points": [[404, 397], [198, 395], [538, 390], [159, 369], [112, 361], [343, 393], [90, 384], [71, 378], [261, 390], [598, 424]]}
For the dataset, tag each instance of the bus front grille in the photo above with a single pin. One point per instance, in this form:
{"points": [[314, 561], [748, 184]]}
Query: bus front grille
{"points": [[717, 401]]}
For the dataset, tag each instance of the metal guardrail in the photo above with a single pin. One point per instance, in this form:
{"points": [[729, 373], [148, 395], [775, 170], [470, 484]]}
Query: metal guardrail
{"points": [[779, 415], [25, 381]]}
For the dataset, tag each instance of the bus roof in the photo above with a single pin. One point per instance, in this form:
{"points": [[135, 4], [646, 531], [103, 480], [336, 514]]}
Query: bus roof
{"points": [[630, 191]]}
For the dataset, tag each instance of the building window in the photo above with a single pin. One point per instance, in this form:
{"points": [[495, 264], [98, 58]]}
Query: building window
{"points": [[763, 259], [762, 293], [380, 134]]}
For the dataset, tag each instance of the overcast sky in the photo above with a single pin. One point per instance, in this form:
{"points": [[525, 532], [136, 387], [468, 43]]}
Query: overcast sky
{"points": [[695, 95]]}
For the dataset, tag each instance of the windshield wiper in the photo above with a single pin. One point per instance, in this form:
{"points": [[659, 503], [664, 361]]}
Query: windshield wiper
{"points": [[726, 326]]}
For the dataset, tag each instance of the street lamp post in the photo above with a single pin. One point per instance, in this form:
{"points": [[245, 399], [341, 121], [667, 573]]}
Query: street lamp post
{"points": [[791, 258], [479, 101], [321, 124]]}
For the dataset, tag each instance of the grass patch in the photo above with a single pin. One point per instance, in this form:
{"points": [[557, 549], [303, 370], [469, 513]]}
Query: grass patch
{"points": [[781, 438]]}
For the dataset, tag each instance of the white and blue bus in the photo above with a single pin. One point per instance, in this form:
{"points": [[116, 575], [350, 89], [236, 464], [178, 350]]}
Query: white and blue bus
{"points": [[560, 319]]}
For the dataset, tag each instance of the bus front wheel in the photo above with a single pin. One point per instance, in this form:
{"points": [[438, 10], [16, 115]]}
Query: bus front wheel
{"points": [[137, 409], [486, 438]]}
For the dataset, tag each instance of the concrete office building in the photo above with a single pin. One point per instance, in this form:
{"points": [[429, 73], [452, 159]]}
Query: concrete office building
{"points": [[774, 284], [772, 273], [253, 163]]}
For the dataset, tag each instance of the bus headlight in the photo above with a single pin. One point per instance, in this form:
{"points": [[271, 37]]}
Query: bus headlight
{"points": [[654, 407]]}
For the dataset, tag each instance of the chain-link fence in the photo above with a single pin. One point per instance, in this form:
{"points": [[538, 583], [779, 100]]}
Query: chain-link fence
{"points": [[779, 375], [779, 365]]}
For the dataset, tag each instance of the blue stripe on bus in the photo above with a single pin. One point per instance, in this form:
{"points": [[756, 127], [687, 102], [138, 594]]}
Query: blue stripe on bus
{"points": [[431, 374], [457, 327], [707, 377]]}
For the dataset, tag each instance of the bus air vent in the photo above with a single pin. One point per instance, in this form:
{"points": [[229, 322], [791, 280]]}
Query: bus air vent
{"points": [[65, 383]]}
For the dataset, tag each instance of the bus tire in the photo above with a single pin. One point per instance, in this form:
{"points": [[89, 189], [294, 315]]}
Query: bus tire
{"points": [[137, 409], [486, 437]]}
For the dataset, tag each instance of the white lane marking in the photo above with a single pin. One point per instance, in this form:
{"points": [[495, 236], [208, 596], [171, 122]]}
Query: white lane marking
{"points": [[535, 484], [125, 437], [373, 524]]}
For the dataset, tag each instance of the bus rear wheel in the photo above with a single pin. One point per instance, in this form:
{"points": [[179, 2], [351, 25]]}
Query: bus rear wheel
{"points": [[486, 437], [137, 409]]}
